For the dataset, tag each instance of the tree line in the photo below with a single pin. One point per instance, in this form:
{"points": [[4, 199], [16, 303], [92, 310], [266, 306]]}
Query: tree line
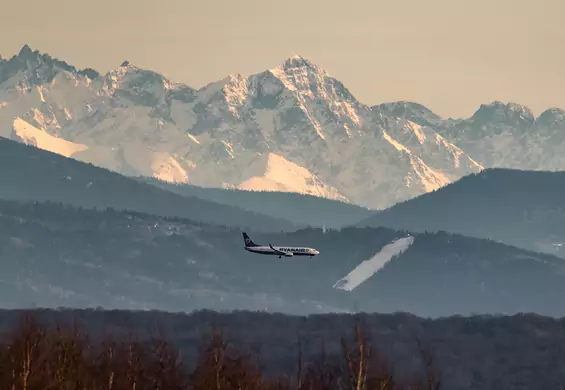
{"points": [[36, 356]]}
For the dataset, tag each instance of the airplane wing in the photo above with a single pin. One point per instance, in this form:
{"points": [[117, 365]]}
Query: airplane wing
{"points": [[277, 252]]}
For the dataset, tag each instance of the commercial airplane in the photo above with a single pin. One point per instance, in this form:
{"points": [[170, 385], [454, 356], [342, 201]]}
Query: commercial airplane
{"points": [[279, 251]]}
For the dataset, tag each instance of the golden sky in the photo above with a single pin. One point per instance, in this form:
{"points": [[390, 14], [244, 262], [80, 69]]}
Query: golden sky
{"points": [[450, 55]]}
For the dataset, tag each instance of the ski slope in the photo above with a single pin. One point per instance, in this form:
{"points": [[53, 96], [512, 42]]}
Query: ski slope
{"points": [[369, 267]]}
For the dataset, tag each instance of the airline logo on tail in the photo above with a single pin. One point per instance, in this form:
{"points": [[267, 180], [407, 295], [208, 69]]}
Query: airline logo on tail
{"points": [[286, 251], [248, 241]]}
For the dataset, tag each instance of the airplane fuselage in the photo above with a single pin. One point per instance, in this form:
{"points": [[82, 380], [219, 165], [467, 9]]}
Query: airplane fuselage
{"points": [[282, 250]]}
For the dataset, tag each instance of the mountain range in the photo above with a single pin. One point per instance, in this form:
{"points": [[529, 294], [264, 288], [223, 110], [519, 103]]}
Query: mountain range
{"points": [[291, 128], [103, 180], [67, 226], [129, 191]]}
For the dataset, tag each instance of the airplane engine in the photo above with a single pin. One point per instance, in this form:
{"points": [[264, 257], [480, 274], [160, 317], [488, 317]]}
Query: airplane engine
{"points": [[289, 254]]}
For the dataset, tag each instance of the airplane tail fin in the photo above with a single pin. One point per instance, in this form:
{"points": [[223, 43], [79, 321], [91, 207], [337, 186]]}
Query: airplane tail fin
{"points": [[248, 241]]}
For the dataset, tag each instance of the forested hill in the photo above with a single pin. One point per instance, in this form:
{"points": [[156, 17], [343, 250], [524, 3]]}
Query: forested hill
{"points": [[301, 209], [467, 353], [522, 208], [54, 255]]}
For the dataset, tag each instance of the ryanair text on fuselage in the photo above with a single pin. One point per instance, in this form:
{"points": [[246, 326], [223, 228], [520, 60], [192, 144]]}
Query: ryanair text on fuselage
{"points": [[250, 246]]}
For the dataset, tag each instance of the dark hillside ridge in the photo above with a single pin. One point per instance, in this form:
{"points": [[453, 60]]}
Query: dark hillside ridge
{"points": [[521, 208], [30, 173], [301, 209], [54, 255]]}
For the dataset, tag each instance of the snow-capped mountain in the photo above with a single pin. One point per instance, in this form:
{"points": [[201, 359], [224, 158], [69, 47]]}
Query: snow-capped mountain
{"points": [[498, 134], [290, 128]]}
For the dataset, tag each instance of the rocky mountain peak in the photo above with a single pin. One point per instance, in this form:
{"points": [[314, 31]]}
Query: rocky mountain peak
{"points": [[411, 111], [299, 67], [298, 62], [26, 52], [372, 156], [551, 118], [511, 114], [38, 68]]}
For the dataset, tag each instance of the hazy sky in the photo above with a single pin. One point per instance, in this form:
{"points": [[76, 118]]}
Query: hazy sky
{"points": [[450, 55]]}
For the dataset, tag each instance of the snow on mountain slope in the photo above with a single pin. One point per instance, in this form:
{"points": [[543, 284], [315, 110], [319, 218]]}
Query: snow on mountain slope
{"points": [[506, 135], [299, 112], [160, 165], [430, 179], [274, 172], [157, 164], [30, 135], [137, 122]]}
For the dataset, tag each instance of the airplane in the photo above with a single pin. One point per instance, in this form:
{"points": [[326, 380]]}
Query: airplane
{"points": [[280, 251]]}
